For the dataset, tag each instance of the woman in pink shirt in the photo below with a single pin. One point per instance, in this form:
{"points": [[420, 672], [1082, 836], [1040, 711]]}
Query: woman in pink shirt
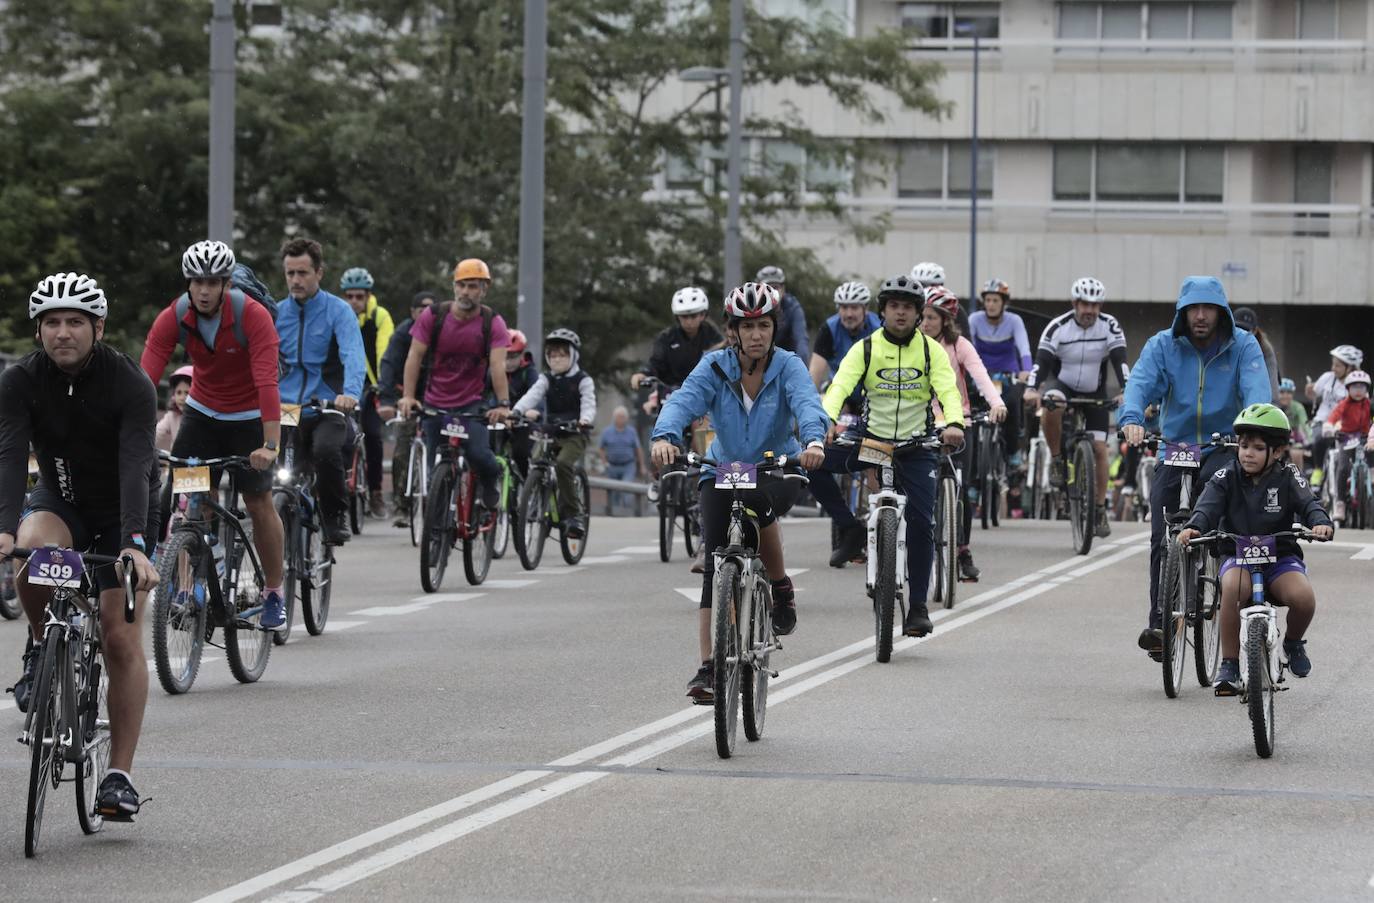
{"points": [[940, 320]]}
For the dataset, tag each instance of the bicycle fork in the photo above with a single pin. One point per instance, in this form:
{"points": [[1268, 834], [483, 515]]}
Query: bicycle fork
{"points": [[886, 499], [1260, 610]]}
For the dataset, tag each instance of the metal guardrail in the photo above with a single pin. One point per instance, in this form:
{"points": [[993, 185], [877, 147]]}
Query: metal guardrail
{"points": [[640, 492]]}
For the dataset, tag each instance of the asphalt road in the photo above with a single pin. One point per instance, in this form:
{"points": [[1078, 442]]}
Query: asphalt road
{"points": [[529, 740]]}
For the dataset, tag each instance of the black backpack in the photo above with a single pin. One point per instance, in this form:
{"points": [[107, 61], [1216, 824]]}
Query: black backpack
{"points": [[441, 312], [245, 280], [238, 300]]}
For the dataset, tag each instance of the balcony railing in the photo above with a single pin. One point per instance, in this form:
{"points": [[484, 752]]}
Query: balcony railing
{"points": [[1126, 55]]}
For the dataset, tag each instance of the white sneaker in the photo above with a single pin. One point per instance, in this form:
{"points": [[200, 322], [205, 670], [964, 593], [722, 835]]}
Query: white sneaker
{"points": [[1339, 511]]}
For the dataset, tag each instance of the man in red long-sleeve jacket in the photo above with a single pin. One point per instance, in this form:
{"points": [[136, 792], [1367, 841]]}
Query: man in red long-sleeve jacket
{"points": [[234, 407]]}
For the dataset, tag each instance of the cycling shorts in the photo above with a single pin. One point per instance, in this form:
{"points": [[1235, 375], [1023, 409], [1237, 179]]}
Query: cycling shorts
{"points": [[1287, 564], [205, 437], [1096, 419], [92, 531]]}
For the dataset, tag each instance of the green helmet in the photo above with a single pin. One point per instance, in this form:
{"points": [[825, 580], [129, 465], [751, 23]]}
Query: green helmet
{"points": [[355, 277], [1265, 419]]}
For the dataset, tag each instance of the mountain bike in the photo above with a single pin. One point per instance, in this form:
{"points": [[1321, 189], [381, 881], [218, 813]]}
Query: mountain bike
{"points": [[1261, 666], [501, 438], [991, 469], [416, 483], [68, 721], [537, 509], [307, 555], [203, 583], [453, 511], [1080, 485], [854, 489], [678, 500], [355, 475], [1039, 498]]}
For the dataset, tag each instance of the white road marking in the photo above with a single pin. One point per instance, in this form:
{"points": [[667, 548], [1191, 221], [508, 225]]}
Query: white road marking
{"points": [[637, 550], [693, 593], [439, 597], [1364, 554], [7, 704], [342, 625], [604, 559], [506, 583], [383, 610], [796, 572]]}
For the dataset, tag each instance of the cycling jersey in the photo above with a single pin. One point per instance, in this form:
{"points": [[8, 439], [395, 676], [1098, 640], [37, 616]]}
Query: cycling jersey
{"points": [[1079, 356], [1351, 416], [323, 347], [376, 325], [92, 434], [898, 381], [833, 341], [674, 355], [1003, 345]]}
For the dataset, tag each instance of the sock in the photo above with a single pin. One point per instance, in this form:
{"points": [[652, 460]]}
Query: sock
{"points": [[270, 589], [121, 773]]}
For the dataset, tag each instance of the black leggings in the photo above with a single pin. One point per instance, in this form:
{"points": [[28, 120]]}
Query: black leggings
{"points": [[768, 504], [372, 438]]}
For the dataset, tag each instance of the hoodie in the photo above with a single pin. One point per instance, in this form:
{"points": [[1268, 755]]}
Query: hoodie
{"points": [[567, 396], [1201, 391]]}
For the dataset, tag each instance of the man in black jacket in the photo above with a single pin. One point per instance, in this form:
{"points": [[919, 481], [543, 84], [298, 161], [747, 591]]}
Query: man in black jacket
{"points": [[389, 392]]}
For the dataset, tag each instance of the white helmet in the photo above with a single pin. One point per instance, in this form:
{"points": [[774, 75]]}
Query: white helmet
{"points": [[207, 260], [770, 274], [852, 293], [1348, 355], [927, 273], [1089, 289], [1357, 376], [690, 300], [67, 291]]}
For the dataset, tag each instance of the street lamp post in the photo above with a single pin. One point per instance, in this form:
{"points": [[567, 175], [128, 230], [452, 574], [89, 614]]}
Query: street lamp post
{"points": [[220, 225], [972, 28], [530, 284]]}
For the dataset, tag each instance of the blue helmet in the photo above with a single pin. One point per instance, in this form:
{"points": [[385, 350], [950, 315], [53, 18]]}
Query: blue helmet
{"points": [[354, 278], [1287, 385]]}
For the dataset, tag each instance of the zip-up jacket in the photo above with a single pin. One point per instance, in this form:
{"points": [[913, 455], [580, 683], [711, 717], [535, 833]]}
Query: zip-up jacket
{"points": [[92, 434], [394, 362], [1004, 347], [1270, 504], [674, 355], [898, 384], [787, 397], [1350, 416], [1201, 394], [792, 328], [567, 396], [322, 346], [376, 326]]}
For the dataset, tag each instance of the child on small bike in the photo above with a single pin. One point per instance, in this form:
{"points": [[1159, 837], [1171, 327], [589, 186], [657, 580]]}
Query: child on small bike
{"points": [[1261, 494], [568, 395], [1349, 419]]}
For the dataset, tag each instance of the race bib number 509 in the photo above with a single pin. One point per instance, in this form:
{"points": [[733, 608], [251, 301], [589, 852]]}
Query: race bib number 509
{"points": [[54, 567]]}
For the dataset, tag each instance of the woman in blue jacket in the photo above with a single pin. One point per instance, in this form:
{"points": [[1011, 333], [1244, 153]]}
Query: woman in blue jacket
{"points": [[754, 393]]}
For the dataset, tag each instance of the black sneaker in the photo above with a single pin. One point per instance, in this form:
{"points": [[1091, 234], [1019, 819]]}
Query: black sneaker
{"points": [[700, 687], [575, 528], [699, 562], [117, 799], [968, 571], [1228, 678], [918, 622], [1296, 653], [784, 607], [24, 685], [1151, 639], [491, 497], [336, 531], [1104, 529], [852, 541]]}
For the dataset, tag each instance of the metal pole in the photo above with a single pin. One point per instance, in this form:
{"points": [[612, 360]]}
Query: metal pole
{"points": [[222, 50], [973, 189], [530, 288], [733, 264]]}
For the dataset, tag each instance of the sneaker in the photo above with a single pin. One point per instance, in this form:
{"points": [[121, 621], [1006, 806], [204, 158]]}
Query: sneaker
{"points": [[1338, 511], [918, 622], [336, 533], [1059, 473], [273, 611], [1228, 678], [1296, 653], [117, 799], [699, 563], [1151, 639], [1104, 528], [576, 528], [968, 571], [852, 540], [24, 685], [377, 503], [784, 607], [401, 520], [700, 686], [491, 497]]}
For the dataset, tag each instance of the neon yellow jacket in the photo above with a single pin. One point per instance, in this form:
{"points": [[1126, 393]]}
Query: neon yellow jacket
{"points": [[375, 322], [897, 384]]}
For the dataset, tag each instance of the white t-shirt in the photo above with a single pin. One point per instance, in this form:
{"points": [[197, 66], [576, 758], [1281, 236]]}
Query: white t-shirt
{"points": [[1329, 392]]}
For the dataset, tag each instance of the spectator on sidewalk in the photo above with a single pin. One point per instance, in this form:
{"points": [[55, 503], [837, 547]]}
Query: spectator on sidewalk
{"points": [[621, 453]]}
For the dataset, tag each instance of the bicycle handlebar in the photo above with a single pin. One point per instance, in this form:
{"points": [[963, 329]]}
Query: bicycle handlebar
{"points": [[93, 560], [1298, 532], [1051, 403], [232, 461], [791, 469]]}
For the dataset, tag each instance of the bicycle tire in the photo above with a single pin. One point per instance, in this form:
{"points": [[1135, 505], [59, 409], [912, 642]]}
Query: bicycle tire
{"points": [[726, 646], [357, 490], [755, 674], [533, 511], [984, 465], [247, 647], [286, 513], [477, 547], [174, 636], [415, 495], [885, 584], [500, 540], [9, 599], [996, 489], [434, 537], [1259, 687], [94, 715], [691, 528], [318, 586], [1207, 623], [1082, 497], [574, 548], [667, 523], [949, 551], [44, 764], [1172, 622]]}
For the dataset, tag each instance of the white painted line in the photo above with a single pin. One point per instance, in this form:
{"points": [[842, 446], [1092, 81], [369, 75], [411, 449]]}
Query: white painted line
{"points": [[343, 625], [383, 610], [508, 584], [637, 550], [431, 598], [796, 572], [604, 559], [693, 593], [9, 703], [1364, 554]]}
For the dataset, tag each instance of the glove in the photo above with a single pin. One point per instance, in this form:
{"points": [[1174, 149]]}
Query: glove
{"points": [[1328, 429]]}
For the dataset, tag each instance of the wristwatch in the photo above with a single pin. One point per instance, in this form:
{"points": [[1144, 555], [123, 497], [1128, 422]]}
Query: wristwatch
{"points": [[503, 403], [270, 445], [816, 443]]}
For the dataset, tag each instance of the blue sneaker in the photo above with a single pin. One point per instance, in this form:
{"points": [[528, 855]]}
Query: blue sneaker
{"points": [[273, 611], [1296, 653], [1228, 678]]}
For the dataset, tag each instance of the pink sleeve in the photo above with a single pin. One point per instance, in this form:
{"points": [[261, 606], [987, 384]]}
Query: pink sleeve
{"points": [[971, 362]]}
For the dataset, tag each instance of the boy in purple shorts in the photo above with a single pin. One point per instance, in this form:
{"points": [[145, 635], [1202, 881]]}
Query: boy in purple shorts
{"points": [[1261, 494]]}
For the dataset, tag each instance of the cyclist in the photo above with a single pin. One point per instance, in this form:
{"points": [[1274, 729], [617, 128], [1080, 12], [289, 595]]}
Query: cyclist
{"points": [[1349, 419], [940, 321], [1262, 495], [792, 334], [89, 413], [322, 348], [469, 341], [926, 274], [520, 376], [1297, 417], [389, 392], [850, 323], [1076, 350], [568, 394], [235, 406], [179, 389], [1327, 392], [677, 349], [1247, 319], [1203, 371], [375, 323], [758, 396], [901, 371], [999, 336]]}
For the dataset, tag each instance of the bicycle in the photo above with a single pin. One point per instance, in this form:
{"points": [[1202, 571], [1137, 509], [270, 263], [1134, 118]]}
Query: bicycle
{"points": [[1359, 494], [416, 484], [537, 510], [510, 487], [202, 581], [1040, 498], [307, 555], [68, 718], [1261, 666], [355, 477], [991, 466], [949, 508], [452, 512], [677, 496], [852, 490], [1080, 485]]}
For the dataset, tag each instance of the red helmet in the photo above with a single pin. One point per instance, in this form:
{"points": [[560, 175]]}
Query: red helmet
{"points": [[944, 300], [753, 299], [517, 342]]}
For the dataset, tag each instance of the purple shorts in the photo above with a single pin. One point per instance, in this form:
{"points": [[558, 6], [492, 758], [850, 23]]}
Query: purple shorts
{"points": [[1287, 564]]}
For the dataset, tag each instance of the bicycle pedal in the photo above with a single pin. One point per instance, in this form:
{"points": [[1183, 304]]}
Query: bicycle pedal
{"points": [[1225, 690]]}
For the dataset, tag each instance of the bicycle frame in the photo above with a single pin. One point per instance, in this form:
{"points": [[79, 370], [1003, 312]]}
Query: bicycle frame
{"points": [[206, 515]]}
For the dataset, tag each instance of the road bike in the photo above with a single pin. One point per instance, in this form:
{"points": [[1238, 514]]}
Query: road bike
{"points": [[68, 720], [355, 475], [204, 580], [453, 511], [416, 483], [307, 553], [1261, 666], [1080, 483], [537, 510]]}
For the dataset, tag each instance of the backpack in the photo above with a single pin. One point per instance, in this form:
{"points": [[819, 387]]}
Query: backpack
{"points": [[238, 300], [245, 280], [441, 312]]}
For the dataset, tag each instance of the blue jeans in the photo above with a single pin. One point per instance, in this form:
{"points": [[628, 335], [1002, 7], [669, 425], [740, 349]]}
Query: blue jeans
{"points": [[477, 447], [626, 471]]}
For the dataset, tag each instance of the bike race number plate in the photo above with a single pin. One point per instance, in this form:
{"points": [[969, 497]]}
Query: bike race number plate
{"points": [[453, 427], [54, 567], [873, 452], [290, 415], [1182, 454], [737, 475], [186, 480], [1257, 550]]}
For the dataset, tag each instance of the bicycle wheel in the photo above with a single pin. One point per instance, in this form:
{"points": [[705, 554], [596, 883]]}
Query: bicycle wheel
{"points": [[93, 706], [691, 527], [1172, 620], [281, 501], [667, 523], [45, 768], [1259, 686], [477, 547], [500, 531], [246, 645], [415, 494], [725, 656], [755, 671], [317, 582], [357, 490], [1207, 622], [885, 584], [180, 604], [949, 541], [984, 482], [435, 534], [1081, 493], [9, 596], [574, 549], [532, 529], [997, 482], [1033, 495]]}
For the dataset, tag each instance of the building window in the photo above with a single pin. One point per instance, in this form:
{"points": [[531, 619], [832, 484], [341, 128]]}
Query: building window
{"points": [[1155, 21], [940, 169], [1143, 172], [1317, 20], [784, 159], [834, 13], [952, 20], [682, 173]]}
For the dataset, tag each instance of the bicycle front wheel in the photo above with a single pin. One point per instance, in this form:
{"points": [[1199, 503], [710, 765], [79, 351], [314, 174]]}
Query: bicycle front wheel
{"points": [[94, 735], [44, 768], [725, 656], [691, 526], [1082, 496], [357, 490], [1207, 622], [885, 584], [532, 528], [180, 603], [1259, 686], [947, 549], [755, 671], [435, 538], [1173, 622], [246, 645], [9, 596], [477, 547], [317, 582], [667, 523], [500, 540], [575, 547], [286, 511]]}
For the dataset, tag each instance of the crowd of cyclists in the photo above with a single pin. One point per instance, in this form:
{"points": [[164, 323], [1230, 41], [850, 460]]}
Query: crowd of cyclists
{"points": [[909, 360]]}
